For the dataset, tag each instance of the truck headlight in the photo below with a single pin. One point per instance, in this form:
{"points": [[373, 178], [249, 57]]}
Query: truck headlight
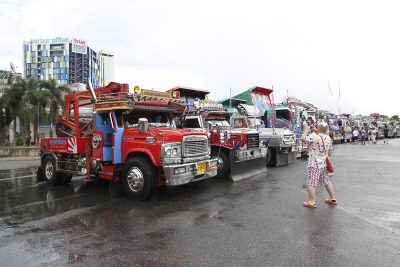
{"points": [[176, 152], [179, 170], [214, 163], [172, 150]]}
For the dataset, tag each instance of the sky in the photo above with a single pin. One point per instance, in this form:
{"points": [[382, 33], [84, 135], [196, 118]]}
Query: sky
{"points": [[296, 47]]}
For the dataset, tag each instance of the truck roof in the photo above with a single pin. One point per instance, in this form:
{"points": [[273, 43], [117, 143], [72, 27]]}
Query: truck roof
{"points": [[191, 92], [245, 97], [143, 100]]}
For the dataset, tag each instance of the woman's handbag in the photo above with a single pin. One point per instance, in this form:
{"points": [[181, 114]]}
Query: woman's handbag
{"points": [[329, 165]]}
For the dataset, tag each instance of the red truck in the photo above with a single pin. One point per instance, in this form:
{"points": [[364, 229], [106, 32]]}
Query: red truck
{"points": [[130, 139], [239, 151]]}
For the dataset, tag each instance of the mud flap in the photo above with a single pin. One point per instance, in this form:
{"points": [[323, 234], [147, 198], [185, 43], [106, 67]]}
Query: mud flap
{"points": [[285, 158], [115, 185], [248, 168]]}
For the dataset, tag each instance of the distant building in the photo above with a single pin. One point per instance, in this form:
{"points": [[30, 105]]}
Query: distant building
{"points": [[108, 58], [68, 60]]}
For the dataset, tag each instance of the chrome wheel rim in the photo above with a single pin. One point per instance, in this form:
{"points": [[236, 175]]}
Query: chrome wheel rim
{"points": [[135, 179], [49, 169], [220, 164]]}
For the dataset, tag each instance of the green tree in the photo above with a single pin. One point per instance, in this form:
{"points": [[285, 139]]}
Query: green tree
{"points": [[13, 101], [38, 99], [56, 99], [5, 119], [395, 118]]}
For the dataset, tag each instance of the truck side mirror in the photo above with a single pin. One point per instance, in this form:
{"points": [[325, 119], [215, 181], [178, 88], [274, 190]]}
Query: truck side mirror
{"points": [[143, 125]]}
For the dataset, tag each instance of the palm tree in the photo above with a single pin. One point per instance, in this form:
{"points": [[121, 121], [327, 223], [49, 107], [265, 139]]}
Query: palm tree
{"points": [[5, 118], [56, 99], [38, 99], [13, 101]]}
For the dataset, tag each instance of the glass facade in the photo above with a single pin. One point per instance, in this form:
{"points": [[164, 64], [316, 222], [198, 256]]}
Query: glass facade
{"points": [[62, 61]]}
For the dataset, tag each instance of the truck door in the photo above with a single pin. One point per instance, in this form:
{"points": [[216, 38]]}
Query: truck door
{"points": [[103, 124], [117, 136]]}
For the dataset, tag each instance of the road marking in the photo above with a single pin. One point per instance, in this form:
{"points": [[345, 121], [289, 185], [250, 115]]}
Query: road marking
{"points": [[19, 177], [347, 211]]}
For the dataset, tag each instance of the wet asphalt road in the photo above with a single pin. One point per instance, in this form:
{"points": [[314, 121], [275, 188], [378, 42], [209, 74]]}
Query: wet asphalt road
{"points": [[256, 222]]}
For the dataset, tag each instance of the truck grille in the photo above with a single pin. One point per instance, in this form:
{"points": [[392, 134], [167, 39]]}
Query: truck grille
{"points": [[288, 138], [253, 140], [194, 146]]}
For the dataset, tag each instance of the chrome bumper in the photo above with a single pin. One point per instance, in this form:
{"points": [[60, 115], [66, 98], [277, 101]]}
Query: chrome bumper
{"points": [[191, 174], [249, 154]]}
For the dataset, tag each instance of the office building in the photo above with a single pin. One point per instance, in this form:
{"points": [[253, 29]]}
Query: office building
{"points": [[68, 60]]}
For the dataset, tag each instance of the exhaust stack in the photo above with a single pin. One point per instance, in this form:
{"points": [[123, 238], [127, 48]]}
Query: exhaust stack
{"points": [[92, 92]]}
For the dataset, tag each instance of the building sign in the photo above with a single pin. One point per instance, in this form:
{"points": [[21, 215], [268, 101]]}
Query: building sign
{"points": [[57, 40], [57, 47], [79, 46]]}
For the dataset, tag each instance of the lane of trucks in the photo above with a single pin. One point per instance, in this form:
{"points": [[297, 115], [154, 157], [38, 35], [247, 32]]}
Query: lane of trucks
{"points": [[148, 139]]}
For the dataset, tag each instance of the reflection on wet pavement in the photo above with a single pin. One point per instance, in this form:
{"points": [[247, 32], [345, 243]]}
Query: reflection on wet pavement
{"points": [[256, 222]]}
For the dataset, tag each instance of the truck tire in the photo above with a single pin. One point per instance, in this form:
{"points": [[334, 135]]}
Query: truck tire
{"points": [[223, 164], [138, 179], [269, 156], [49, 171]]}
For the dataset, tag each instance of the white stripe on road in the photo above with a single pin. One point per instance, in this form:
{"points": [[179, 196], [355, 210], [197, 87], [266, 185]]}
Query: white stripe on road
{"points": [[19, 177]]}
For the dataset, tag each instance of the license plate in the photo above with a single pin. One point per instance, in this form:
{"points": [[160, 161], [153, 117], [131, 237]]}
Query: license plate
{"points": [[201, 168]]}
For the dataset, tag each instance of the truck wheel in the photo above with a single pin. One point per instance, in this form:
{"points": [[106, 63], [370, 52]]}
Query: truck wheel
{"points": [[138, 179], [49, 171], [269, 156], [223, 165]]}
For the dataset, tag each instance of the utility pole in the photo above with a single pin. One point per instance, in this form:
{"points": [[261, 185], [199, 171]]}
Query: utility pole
{"points": [[230, 97], [339, 98]]}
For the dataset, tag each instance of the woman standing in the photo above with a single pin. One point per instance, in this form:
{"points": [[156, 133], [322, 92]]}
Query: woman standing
{"points": [[386, 133], [373, 135], [319, 146], [363, 136]]}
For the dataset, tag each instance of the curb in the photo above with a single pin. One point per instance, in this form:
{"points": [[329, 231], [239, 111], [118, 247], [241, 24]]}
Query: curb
{"points": [[19, 158]]}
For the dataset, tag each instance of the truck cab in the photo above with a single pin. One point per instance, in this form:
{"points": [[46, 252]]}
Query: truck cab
{"points": [[256, 106], [282, 141], [240, 152], [134, 142]]}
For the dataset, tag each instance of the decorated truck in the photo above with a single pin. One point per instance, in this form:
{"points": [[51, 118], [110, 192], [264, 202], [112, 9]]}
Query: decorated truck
{"points": [[256, 105], [240, 151], [130, 140], [335, 131], [300, 114]]}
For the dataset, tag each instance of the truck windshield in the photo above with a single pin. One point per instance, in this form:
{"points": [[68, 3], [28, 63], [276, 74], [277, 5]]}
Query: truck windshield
{"points": [[254, 123], [219, 122], [283, 114], [156, 119], [192, 123], [239, 123]]}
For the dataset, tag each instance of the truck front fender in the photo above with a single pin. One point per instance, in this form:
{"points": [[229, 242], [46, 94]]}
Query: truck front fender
{"points": [[142, 152]]}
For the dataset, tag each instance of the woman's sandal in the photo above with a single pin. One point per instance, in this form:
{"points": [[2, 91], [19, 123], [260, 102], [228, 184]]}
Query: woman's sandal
{"points": [[330, 202], [307, 204]]}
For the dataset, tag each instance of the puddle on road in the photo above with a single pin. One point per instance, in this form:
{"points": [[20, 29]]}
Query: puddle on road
{"points": [[15, 173]]}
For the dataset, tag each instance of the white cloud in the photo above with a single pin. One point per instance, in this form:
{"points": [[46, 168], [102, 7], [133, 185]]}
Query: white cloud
{"points": [[292, 45]]}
